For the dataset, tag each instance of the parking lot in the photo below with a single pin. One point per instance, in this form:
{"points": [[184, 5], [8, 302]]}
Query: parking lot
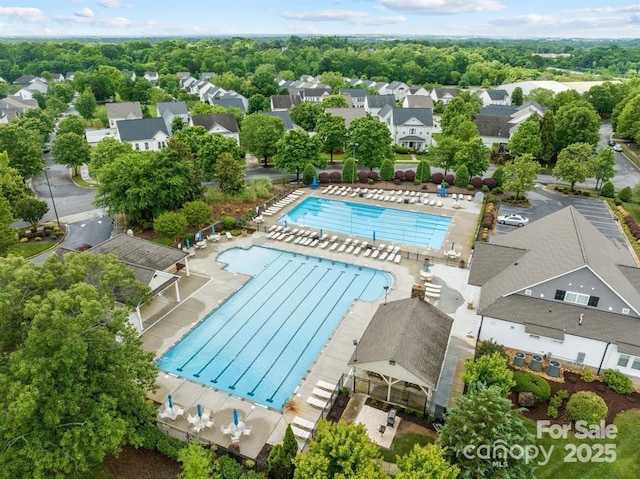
{"points": [[544, 203]]}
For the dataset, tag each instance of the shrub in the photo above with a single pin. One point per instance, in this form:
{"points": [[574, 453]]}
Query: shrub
{"points": [[586, 406], [607, 190], [563, 394], [449, 179], [485, 189], [497, 190], [228, 222], [386, 170], [24, 240], [373, 175], [617, 381], [197, 213], [476, 181], [617, 201], [490, 183], [625, 194], [491, 199], [349, 170], [335, 176], [397, 182], [470, 187], [437, 178], [528, 382], [37, 238], [498, 176], [423, 172], [555, 401], [363, 176], [462, 176], [324, 177], [308, 174], [409, 175], [403, 150], [489, 347], [552, 412], [588, 375], [398, 175]]}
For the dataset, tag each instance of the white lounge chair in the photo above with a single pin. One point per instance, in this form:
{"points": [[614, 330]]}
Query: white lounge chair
{"points": [[356, 251], [349, 250], [325, 385], [315, 402], [333, 246], [333, 238], [375, 253], [303, 423], [323, 393], [343, 246], [398, 259], [228, 235], [383, 256], [323, 245], [367, 252], [301, 433]]}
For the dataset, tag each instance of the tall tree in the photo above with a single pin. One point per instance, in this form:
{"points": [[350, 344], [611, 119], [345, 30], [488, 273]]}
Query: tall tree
{"points": [[426, 462], [74, 388], [281, 457], [333, 79], [86, 104], [296, 149], [211, 149], [548, 136], [306, 114], [30, 209], [603, 166], [520, 175], [258, 103], [517, 97], [8, 234], [260, 135], [106, 151], [170, 224], [474, 154], [485, 417], [576, 123], [370, 140], [229, 174], [542, 96], [71, 150], [340, 450], [574, 163], [445, 153], [628, 121], [71, 124], [335, 101], [11, 186], [24, 150], [459, 109], [332, 132], [526, 138]]}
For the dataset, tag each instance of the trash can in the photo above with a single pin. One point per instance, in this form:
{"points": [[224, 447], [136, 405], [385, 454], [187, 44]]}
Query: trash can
{"points": [[554, 369], [536, 363], [518, 359]]}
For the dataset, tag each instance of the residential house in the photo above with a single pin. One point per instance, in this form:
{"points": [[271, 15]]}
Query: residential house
{"points": [[12, 107], [130, 110], [151, 77], [374, 103], [69, 76], [349, 114], [284, 116], [494, 97], [560, 289], [355, 95], [144, 134], [24, 80], [129, 75], [168, 110], [206, 75], [496, 123], [224, 124], [417, 101], [34, 85], [57, 77], [409, 127], [231, 101], [396, 88], [404, 348], [284, 102], [444, 95], [418, 90], [313, 95]]}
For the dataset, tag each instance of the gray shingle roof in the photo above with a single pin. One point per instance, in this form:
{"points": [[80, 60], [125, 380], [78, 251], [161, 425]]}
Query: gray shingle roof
{"points": [[140, 129], [284, 116], [285, 101], [378, 101], [497, 95], [413, 333], [354, 92], [225, 120], [349, 114], [419, 101], [423, 115], [122, 110], [441, 92], [230, 102], [174, 107]]}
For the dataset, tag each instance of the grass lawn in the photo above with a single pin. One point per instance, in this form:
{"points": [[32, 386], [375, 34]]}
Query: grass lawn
{"points": [[626, 465], [32, 248], [402, 445], [163, 241], [633, 209]]}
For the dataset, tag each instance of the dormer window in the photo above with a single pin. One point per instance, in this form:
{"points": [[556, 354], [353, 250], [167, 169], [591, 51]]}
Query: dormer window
{"points": [[577, 298]]}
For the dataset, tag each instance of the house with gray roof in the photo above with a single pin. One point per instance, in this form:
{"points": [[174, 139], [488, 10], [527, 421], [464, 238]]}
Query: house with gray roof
{"points": [[284, 102], [396, 88], [494, 97], [405, 343], [349, 114], [496, 123], [374, 103], [151, 77], [409, 127], [12, 107], [444, 95], [417, 101], [284, 116], [168, 110], [128, 110], [355, 96], [224, 124], [144, 134], [560, 289]]}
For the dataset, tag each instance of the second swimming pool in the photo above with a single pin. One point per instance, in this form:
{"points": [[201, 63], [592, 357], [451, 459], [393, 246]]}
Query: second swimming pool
{"points": [[370, 221], [261, 341]]}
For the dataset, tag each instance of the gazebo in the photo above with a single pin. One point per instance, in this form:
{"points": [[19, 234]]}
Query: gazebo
{"points": [[405, 343]]}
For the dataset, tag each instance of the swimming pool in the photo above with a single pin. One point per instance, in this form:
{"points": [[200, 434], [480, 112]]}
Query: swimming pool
{"points": [[261, 341], [387, 224]]}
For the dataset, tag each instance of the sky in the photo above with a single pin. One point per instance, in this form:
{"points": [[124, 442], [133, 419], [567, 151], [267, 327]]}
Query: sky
{"points": [[449, 18]]}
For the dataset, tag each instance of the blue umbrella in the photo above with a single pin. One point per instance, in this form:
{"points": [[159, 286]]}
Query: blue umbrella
{"points": [[235, 417], [443, 190], [452, 245], [170, 402], [188, 244], [199, 410], [426, 268], [321, 235], [374, 236], [286, 225], [213, 230]]}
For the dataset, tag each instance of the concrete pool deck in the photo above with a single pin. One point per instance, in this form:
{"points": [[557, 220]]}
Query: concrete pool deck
{"points": [[167, 321]]}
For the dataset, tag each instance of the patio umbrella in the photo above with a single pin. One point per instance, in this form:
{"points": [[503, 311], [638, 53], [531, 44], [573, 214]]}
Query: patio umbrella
{"points": [[213, 230], [443, 190], [321, 233], [374, 236], [187, 243], [286, 225], [235, 417], [170, 401], [453, 245], [199, 410]]}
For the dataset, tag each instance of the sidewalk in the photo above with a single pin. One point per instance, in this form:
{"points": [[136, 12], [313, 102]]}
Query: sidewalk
{"points": [[84, 174]]}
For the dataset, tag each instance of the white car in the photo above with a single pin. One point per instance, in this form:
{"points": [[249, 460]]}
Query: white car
{"points": [[617, 147], [513, 220]]}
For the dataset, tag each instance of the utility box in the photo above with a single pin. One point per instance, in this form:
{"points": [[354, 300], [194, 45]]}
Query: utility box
{"points": [[536, 363], [417, 291]]}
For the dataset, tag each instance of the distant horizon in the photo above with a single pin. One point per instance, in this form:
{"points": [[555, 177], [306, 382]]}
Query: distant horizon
{"points": [[498, 19]]}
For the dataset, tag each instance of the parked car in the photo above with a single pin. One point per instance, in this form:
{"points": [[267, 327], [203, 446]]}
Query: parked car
{"points": [[617, 147], [513, 220], [612, 143]]}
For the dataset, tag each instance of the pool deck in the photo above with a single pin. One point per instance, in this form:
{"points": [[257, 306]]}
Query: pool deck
{"points": [[166, 321]]}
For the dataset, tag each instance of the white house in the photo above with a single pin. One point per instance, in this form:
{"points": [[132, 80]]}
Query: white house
{"points": [[494, 97], [168, 110], [224, 124], [396, 88], [445, 95], [145, 134], [497, 123], [151, 77], [409, 127], [130, 110], [560, 289], [355, 95], [374, 103]]}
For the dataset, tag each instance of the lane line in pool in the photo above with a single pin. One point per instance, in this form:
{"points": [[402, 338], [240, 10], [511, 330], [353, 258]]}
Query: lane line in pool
{"points": [[303, 350], [233, 386], [229, 321]]}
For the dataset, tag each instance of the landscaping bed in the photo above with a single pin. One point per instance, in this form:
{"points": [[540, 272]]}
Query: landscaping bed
{"points": [[141, 464]]}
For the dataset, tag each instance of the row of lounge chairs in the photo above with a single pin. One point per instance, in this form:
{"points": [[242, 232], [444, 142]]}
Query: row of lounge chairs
{"points": [[290, 198], [394, 196]]}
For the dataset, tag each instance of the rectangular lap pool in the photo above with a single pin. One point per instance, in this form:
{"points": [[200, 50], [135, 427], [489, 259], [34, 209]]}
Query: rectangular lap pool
{"points": [[370, 221], [261, 341]]}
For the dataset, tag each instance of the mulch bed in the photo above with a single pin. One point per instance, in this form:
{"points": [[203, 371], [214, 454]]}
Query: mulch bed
{"points": [[142, 464], [616, 403]]}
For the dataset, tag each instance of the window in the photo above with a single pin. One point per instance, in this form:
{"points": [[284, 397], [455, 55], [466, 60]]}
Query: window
{"points": [[527, 292], [412, 131], [534, 336], [636, 363], [137, 146], [146, 145], [623, 360], [577, 298]]}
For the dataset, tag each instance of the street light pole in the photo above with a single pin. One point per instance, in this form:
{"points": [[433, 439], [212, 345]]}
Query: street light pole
{"points": [[355, 169], [386, 290], [46, 175], [355, 357]]}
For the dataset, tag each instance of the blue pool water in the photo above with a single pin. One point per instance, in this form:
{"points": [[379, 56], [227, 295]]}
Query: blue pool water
{"points": [[261, 341], [388, 224]]}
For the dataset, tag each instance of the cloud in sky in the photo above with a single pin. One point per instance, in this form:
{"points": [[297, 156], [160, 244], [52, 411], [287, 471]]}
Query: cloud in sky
{"points": [[85, 12], [351, 16], [442, 7], [110, 3], [25, 14]]}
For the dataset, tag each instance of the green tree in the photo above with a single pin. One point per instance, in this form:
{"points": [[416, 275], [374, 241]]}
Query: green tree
{"points": [[11, 186], [333, 79], [426, 462], [229, 174], [576, 123], [601, 98], [306, 114], [71, 124], [106, 151], [474, 155], [387, 170], [520, 175], [625, 194], [24, 150], [461, 177], [63, 91], [197, 213], [574, 163], [349, 170], [86, 104], [608, 190], [459, 109], [542, 96], [335, 101], [548, 136], [30, 209], [197, 462], [445, 154], [489, 370], [170, 224], [517, 97], [260, 135], [628, 121], [71, 150], [498, 175], [177, 124], [8, 234], [603, 166], [332, 132], [281, 457], [485, 417], [74, 387], [296, 149], [258, 103], [423, 171], [371, 141], [211, 148], [526, 138], [55, 107], [340, 450], [309, 174]]}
